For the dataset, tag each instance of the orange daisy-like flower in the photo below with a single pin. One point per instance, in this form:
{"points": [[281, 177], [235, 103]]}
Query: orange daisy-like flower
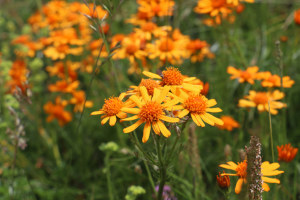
{"points": [[199, 50], [273, 80], [168, 50], [237, 2], [248, 75], [60, 51], [297, 17], [267, 169], [78, 100], [172, 77], [158, 8], [151, 111], [94, 11], [56, 111], [199, 107], [18, 74], [63, 86], [215, 8], [112, 109], [223, 181], [286, 153], [261, 100], [64, 70], [229, 123], [149, 84]]}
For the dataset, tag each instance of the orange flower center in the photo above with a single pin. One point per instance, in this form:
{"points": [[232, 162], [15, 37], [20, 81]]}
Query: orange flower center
{"points": [[172, 76], [260, 98], [112, 106], [148, 27], [131, 49], [218, 3], [245, 75], [272, 79], [150, 85], [151, 112], [62, 48], [166, 45], [196, 104], [241, 169]]}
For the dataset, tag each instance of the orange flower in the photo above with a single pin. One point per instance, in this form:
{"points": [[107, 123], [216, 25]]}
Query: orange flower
{"points": [[261, 100], [297, 16], [267, 169], [31, 46], [148, 83], [172, 77], [112, 109], [79, 100], [158, 8], [94, 11], [60, 51], [229, 123], [56, 111], [64, 70], [248, 75], [63, 86], [273, 80], [151, 110], [286, 153], [199, 50], [18, 74], [223, 181]]}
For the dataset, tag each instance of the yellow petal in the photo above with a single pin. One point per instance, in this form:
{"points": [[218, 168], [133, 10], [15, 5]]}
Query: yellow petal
{"points": [[104, 120], [133, 126], [213, 110], [270, 180], [214, 119], [163, 129], [121, 115], [151, 75], [144, 93], [265, 187], [97, 112], [163, 94], [136, 101], [130, 118], [131, 110], [207, 119], [146, 132], [169, 119], [196, 118], [211, 102], [183, 113], [156, 128], [112, 120], [191, 87], [238, 186]]}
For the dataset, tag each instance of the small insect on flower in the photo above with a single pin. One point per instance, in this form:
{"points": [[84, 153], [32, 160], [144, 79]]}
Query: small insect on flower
{"points": [[112, 109], [286, 152], [223, 181]]}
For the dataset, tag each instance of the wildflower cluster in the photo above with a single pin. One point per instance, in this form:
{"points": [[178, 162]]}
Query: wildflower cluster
{"points": [[167, 98], [264, 101], [219, 10]]}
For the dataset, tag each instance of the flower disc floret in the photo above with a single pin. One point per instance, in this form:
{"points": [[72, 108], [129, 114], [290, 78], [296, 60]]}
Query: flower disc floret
{"points": [[112, 106], [150, 85], [241, 169], [261, 98], [172, 76], [166, 45], [151, 112], [196, 104]]}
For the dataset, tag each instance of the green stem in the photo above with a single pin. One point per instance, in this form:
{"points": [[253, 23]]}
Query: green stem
{"points": [[271, 132], [108, 176], [150, 177], [138, 145], [162, 169]]}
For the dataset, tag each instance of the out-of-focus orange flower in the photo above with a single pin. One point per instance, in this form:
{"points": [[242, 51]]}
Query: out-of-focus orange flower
{"points": [[284, 38], [261, 100], [140, 18], [297, 16], [61, 51], [94, 11], [158, 8], [223, 181], [31, 47], [240, 8], [95, 47], [273, 80], [248, 75], [18, 74], [63, 86], [64, 70], [56, 111], [199, 50], [286, 152], [78, 100], [229, 123]]}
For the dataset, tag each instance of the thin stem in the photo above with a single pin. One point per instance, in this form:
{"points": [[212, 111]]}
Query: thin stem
{"points": [[271, 132], [108, 177], [150, 177], [162, 168], [138, 145]]}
